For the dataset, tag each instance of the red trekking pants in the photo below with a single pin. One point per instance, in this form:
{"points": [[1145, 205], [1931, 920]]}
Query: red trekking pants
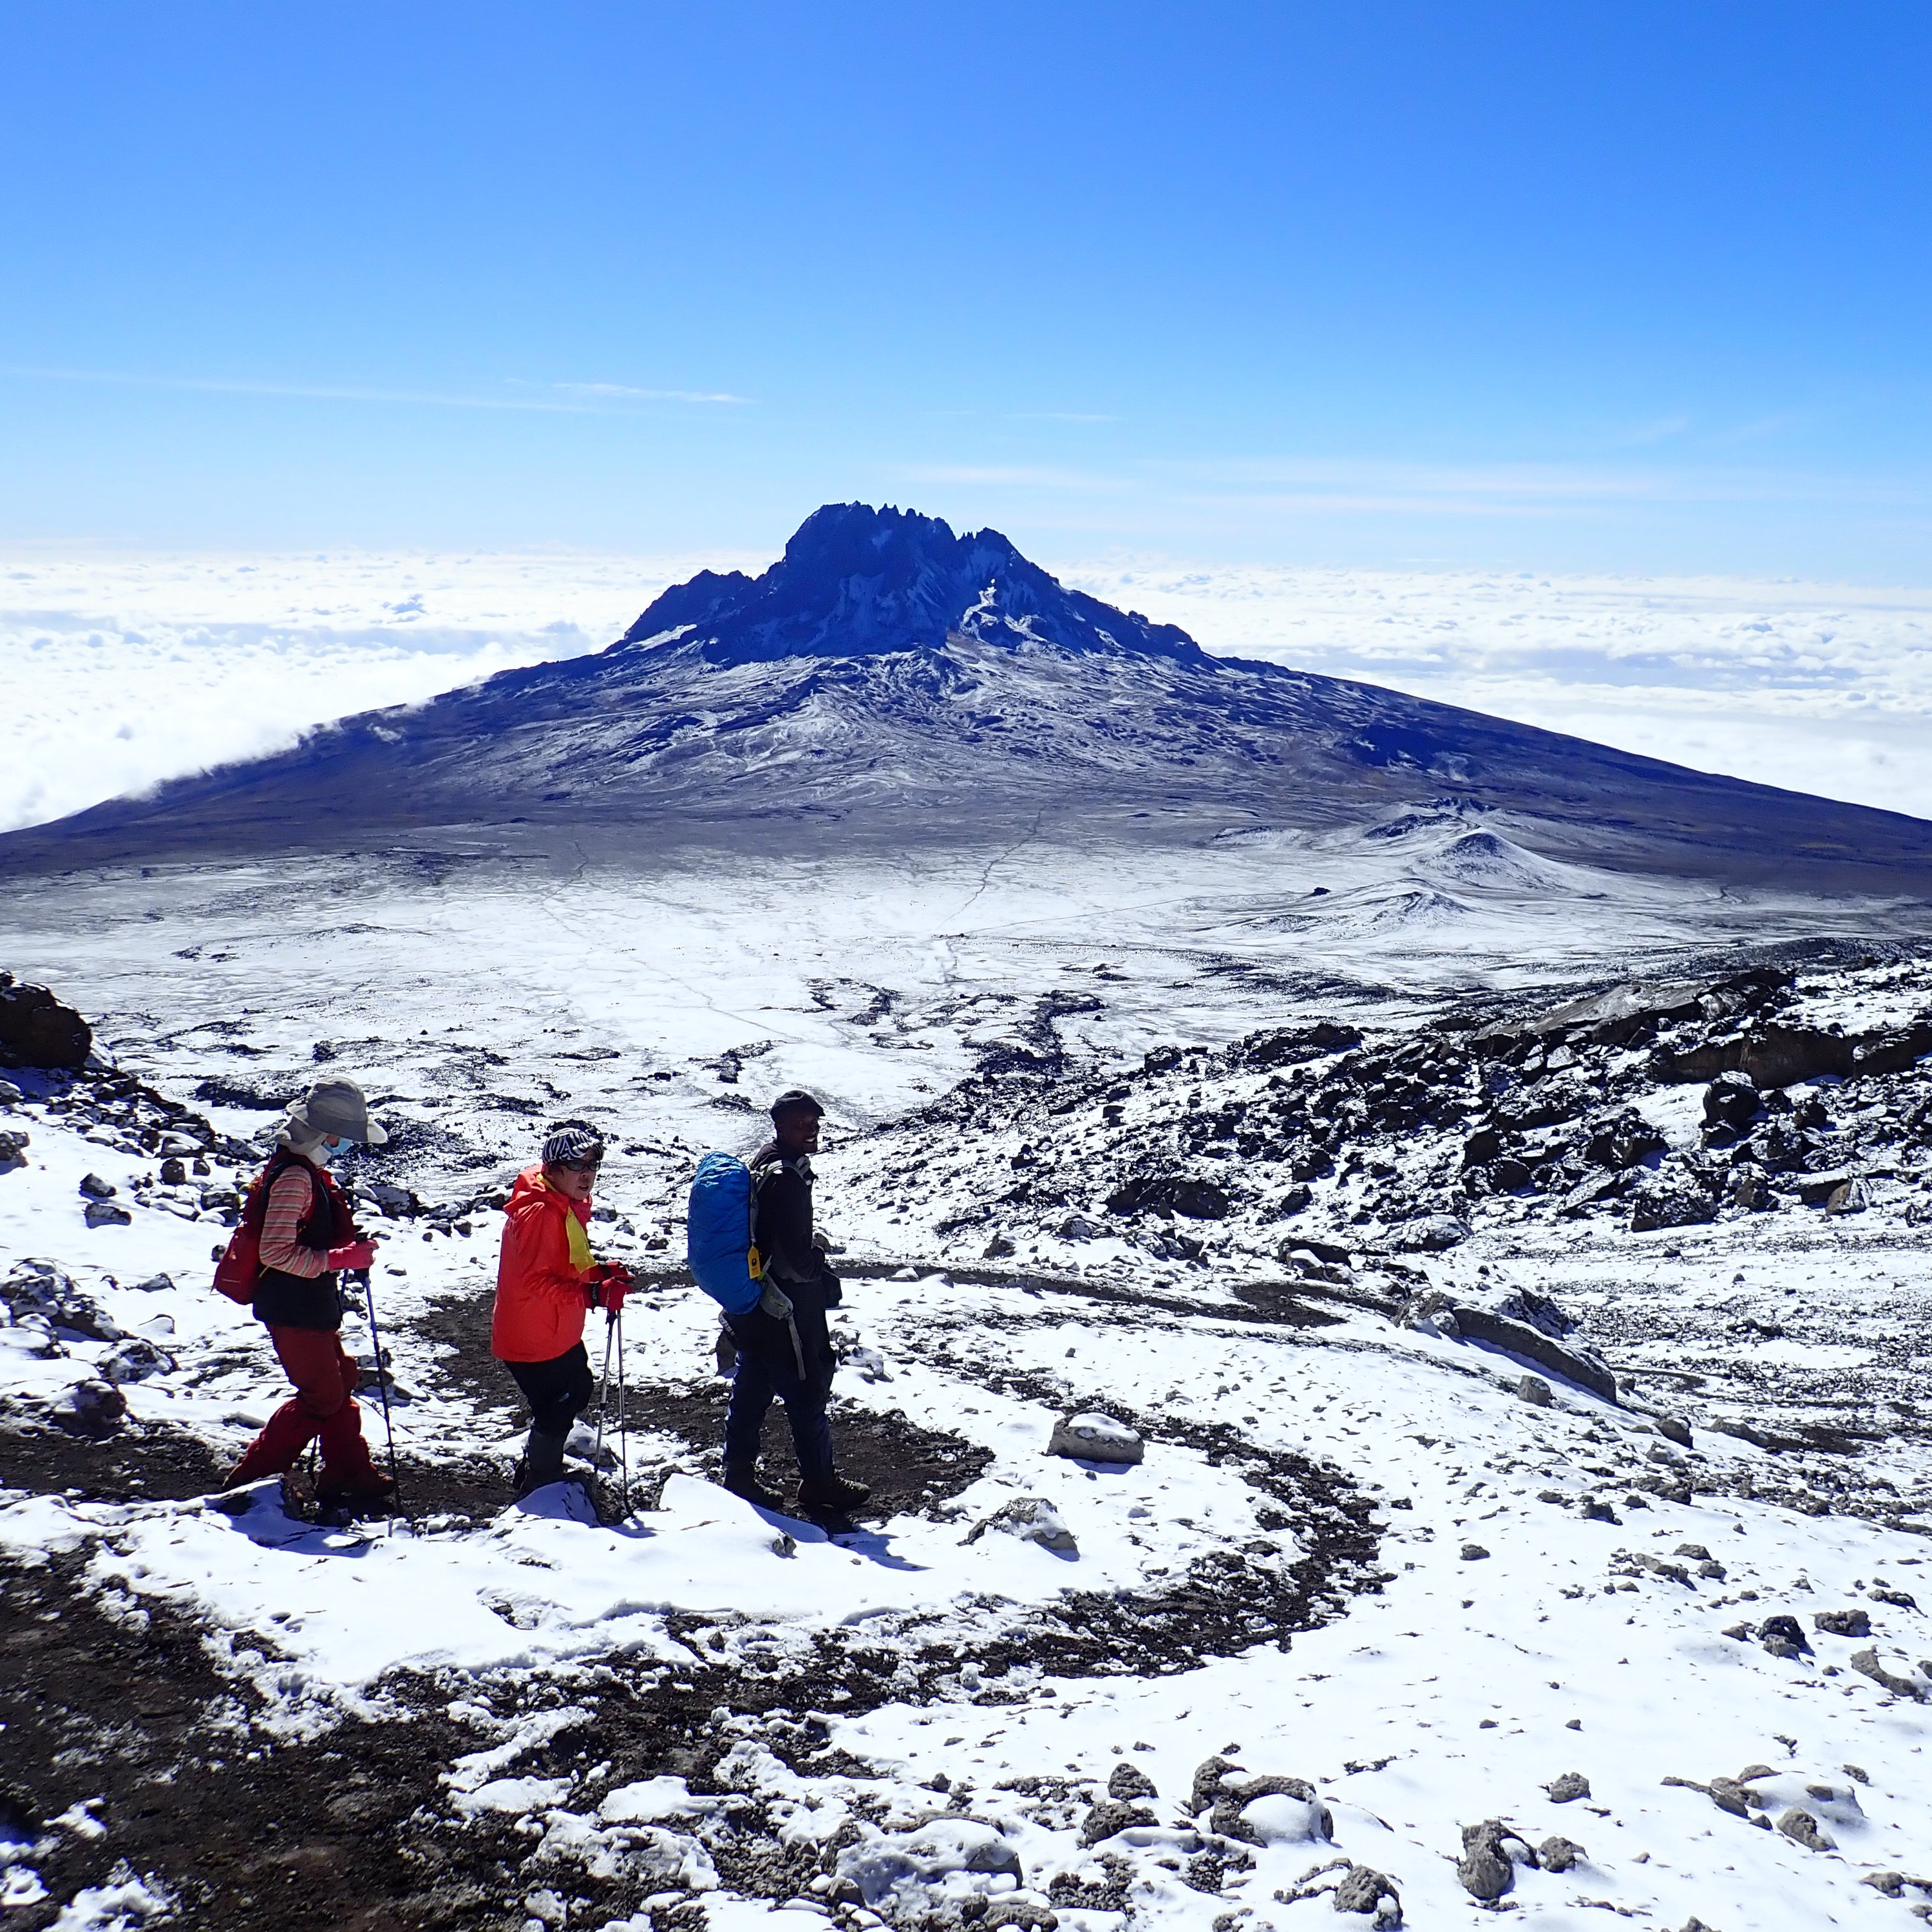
{"points": [[323, 1405]]}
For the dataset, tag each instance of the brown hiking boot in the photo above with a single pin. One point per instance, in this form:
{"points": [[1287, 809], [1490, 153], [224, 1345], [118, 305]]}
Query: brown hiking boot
{"points": [[834, 1492], [742, 1480], [358, 1495]]}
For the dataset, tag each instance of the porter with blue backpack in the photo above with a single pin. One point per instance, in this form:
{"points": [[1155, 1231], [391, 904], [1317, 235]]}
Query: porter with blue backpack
{"points": [[754, 1250]]}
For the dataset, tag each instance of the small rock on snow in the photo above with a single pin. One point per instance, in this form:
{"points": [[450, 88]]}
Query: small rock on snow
{"points": [[1801, 1827], [1485, 1870], [1570, 1785], [1866, 1663], [1110, 1815], [1364, 1889], [1207, 1787], [1433, 1233], [1095, 1438], [1032, 1517], [1842, 1623], [98, 1405]]}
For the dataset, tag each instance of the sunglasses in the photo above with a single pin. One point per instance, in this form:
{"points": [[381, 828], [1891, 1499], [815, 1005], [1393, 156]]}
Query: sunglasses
{"points": [[579, 1166]]}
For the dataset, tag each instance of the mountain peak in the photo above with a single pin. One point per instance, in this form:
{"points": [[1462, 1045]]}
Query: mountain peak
{"points": [[856, 581], [856, 537]]}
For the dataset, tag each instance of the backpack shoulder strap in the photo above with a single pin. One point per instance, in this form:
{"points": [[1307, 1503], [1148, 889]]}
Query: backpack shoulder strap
{"points": [[255, 1208]]}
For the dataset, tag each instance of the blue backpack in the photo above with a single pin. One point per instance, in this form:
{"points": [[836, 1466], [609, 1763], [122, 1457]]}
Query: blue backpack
{"points": [[720, 1226]]}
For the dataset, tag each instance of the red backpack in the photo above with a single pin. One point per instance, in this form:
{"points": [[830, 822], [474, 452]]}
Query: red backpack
{"points": [[238, 1272]]}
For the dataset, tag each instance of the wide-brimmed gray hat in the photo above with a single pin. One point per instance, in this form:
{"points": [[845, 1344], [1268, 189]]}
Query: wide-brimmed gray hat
{"points": [[337, 1107]]}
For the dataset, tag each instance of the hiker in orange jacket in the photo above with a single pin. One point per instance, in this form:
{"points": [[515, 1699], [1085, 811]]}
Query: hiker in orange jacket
{"points": [[547, 1282], [307, 1237]]}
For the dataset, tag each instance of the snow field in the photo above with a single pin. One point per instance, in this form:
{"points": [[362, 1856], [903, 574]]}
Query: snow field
{"points": [[1451, 1688], [1464, 1673]]}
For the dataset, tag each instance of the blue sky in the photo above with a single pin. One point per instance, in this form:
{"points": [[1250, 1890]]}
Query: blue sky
{"points": [[1623, 287]]}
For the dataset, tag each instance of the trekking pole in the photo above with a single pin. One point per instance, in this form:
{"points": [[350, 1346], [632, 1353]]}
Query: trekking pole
{"points": [[381, 1384], [603, 1397], [623, 1434]]}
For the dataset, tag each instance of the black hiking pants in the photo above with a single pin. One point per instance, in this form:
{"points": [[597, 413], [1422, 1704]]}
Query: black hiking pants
{"points": [[558, 1390]]}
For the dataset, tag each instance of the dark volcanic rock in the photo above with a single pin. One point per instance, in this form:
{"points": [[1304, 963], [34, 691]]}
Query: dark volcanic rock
{"points": [[1731, 1102], [1363, 1889], [1486, 1868], [1842, 1623], [1288, 1047], [1109, 1816], [1774, 1055], [1173, 1193], [36, 1030], [1670, 1203]]}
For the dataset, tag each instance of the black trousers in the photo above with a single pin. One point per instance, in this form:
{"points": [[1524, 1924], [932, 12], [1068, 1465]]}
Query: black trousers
{"points": [[558, 1391]]}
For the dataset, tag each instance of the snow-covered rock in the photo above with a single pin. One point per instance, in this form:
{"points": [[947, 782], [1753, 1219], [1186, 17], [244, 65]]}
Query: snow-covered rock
{"points": [[1095, 1439]]}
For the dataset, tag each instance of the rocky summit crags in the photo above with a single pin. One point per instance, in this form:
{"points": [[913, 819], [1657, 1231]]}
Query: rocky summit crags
{"points": [[855, 582], [889, 688]]}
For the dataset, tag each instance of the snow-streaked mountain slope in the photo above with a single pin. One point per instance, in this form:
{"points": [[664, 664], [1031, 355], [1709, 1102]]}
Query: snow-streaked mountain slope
{"points": [[889, 686]]}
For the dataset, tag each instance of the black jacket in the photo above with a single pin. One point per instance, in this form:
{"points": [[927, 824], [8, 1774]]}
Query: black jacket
{"points": [[782, 1229]]}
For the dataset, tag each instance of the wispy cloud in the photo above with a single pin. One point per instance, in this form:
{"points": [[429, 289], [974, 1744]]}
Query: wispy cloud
{"points": [[1061, 415], [624, 392], [1341, 486], [1660, 429], [1015, 475], [547, 399], [1756, 429]]}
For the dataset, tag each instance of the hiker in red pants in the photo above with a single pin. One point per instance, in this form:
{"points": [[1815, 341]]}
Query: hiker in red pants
{"points": [[307, 1237]]}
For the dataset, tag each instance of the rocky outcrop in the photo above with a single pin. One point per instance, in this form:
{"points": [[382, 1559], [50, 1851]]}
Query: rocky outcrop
{"points": [[1633, 1010], [1438, 1313], [1774, 1055], [37, 1029]]}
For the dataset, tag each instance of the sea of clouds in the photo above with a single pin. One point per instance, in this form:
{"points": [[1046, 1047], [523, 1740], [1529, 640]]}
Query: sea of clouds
{"points": [[1819, 688], [123, 669]]}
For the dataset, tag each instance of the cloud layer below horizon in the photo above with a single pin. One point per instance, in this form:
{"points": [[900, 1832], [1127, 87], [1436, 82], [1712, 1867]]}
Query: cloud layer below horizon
{"points": [[126, 669]]}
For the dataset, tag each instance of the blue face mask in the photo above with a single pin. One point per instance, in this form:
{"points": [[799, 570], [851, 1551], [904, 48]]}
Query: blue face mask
{"points": [[334, 1150]]}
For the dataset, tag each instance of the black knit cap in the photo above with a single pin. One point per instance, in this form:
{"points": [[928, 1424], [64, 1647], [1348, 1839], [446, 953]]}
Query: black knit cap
{"points": [[795, 1100]]}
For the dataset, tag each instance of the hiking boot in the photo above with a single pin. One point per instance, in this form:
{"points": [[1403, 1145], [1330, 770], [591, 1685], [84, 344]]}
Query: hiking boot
{"points": [[371, 1490], [742, 1480], [252, 1468], [835, 1492], [542, 1462]]}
